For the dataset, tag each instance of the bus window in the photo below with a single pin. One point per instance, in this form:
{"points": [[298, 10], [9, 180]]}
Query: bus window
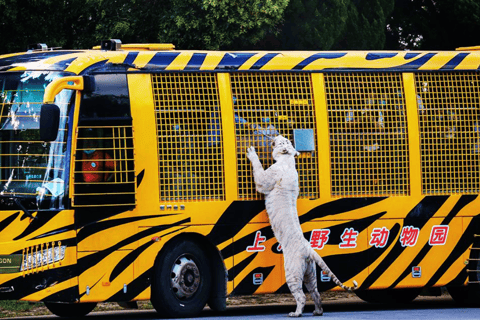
{"points": [[190, 139], [104, 162], [265, 105], [368, 139], [448, 118]]}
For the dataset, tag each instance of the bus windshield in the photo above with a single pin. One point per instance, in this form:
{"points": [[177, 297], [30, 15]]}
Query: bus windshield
{"points": [[31, 169]]}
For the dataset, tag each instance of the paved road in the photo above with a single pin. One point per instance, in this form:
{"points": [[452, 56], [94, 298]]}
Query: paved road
{"points": [[424, 308]]}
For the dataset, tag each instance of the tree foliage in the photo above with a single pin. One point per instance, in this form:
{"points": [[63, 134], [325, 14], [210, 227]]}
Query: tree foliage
{"points": [[219, 24], [242, 24], [434, 24], [335, 24]]}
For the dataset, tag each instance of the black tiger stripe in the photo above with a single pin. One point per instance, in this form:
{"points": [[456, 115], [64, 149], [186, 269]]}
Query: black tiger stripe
{"points": [[32, 57], [263, 61], [132, 256], [237, 215], [134, 288], [417, 217], [317, 56], [239, 267], [359, 225], [65, 295], [101, 226], [61, 65], [337, 207], [54, 232], [43, 218], [346, 266], [246, 286], [462, 245], [462, 202], [89, 261], [455, 61]]}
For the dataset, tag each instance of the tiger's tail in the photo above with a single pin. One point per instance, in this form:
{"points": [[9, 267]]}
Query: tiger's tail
{"points": [[316, 257]]}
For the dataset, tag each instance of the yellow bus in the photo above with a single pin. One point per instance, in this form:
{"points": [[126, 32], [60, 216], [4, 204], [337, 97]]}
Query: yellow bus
{"points": [[124, 175]]}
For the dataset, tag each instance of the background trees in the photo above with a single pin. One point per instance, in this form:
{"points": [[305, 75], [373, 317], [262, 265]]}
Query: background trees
{"points": [[243, 24]]}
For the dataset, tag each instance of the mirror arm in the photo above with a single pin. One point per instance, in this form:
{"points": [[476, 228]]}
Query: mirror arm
{"points": [[57, 85]]}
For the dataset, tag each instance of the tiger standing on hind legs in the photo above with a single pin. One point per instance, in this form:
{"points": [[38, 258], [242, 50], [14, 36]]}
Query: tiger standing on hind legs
{"points": [[279, 183]]}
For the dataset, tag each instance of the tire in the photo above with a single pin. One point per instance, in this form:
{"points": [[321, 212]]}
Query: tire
{"points": [[469, 295], [70, 310], [182, 280], [388, 295]]}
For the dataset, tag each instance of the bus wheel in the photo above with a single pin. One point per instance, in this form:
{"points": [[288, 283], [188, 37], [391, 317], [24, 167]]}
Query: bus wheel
{"points": [[70, 310], [469, 294], [389, 295], [182, 280]]}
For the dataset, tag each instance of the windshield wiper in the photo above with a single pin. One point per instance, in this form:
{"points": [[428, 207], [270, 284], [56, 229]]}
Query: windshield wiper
{"points": [[25, 210]]}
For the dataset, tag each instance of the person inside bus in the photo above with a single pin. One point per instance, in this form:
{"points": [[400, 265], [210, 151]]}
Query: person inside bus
{"points": [[97, 165]]}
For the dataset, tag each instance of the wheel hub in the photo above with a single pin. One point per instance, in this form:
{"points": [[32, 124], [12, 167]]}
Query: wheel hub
{"points": [[185, 277]]}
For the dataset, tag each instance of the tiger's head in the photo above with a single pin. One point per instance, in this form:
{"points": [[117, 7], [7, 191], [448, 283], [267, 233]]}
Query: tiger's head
{"points": [[282, 146]]}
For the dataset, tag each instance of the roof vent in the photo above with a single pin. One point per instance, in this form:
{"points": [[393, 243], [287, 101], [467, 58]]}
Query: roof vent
{"points": [[37, 47], [111, 45]]}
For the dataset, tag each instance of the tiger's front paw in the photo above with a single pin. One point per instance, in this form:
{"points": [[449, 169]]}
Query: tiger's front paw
{"points": [[251, 154]]}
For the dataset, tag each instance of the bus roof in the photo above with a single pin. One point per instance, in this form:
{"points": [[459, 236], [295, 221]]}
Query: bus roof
{"points": [[148, 58]]}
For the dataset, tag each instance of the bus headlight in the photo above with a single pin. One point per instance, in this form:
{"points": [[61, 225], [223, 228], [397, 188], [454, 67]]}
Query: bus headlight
{"points": [[43, 257]]}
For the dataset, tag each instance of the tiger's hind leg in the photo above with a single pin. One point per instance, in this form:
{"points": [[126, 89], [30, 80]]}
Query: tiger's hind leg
{"points": [[294, 276], [310, 281]]}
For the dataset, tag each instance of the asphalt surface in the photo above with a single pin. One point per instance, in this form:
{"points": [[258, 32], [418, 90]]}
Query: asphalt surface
{"points": [[421, 308]]}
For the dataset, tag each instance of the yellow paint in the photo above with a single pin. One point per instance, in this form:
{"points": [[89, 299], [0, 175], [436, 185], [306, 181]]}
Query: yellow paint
{"points": [[199, 216]]}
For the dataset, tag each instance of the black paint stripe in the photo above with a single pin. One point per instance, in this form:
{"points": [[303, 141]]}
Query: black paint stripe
{"points": [[378, 56], [238, 268], [61, 65], [133, 255], [140, 177], [455, 61], [346, 266], [246, 286], [237, 215], [134, 288], [88, 261], [465, 241], [263, 61], [318, 56], [94, 228], [162, 60], [54, 232], [337, 207], [65, 295], [32, 57], [417, 217], [233, 61], [196, 61], [131, 56], [462, 202], [43, 218], [94, 66]]}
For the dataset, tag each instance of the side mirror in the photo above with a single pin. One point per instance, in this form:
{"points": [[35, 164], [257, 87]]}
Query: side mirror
{"points": [[49, 122]]}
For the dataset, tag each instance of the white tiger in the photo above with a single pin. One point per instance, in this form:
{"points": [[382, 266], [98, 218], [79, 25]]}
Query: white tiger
{"points": [[279, 183]]}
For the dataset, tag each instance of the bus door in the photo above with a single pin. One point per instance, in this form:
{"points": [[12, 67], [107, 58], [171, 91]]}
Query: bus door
{"points": [[104, 188]]}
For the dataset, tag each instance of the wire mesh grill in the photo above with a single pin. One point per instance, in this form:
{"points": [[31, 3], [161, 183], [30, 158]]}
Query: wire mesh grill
{"points": [[368, 134], [448, 111], [190, 139], [271, 104], [104, 170]]}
